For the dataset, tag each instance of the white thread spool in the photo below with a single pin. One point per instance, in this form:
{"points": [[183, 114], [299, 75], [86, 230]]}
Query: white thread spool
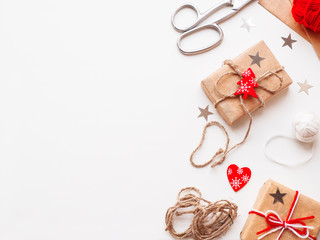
{"points": [[306, 127]]}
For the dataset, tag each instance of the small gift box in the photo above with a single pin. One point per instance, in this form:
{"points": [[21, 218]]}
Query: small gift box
{"points": [[221, 86], [282, 213]]}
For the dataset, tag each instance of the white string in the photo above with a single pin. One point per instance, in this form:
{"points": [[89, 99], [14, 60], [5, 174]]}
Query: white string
{"points": [[285, 163], [294, 206], [279, 236]]}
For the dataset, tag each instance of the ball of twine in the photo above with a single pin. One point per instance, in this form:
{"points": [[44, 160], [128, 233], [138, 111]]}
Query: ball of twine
{"points": [[306, 127], [210, 220], [307, 13]]}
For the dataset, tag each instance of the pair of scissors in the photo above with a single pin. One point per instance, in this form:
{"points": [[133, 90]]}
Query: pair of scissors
{"points": [[235, 5]]}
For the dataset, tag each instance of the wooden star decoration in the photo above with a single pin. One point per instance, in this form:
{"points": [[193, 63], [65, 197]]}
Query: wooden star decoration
{"points": [[256, 59], [278, 196], [288, 41], [247, 24], [304, 87], [205, 112]]}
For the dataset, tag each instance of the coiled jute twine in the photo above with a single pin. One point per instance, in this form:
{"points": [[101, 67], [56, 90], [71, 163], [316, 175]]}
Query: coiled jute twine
{"points": [[210, 220]]}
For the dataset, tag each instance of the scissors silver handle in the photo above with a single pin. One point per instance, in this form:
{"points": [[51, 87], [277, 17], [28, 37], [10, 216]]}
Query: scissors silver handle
{"points": [[200, 17], [213, 26]]}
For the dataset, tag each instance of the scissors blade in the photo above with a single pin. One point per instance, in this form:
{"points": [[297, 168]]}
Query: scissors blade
{"points": [[238, 4]]}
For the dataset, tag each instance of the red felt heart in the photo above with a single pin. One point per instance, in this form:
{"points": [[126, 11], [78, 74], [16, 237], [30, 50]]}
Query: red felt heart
{"points": [[238, 177]]}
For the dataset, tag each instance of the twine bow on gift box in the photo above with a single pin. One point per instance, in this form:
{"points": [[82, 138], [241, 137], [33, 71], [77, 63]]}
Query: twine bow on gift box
{"points": [[275, 223], [248, 84]]}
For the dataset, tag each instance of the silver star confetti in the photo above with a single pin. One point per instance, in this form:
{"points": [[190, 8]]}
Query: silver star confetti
{"points": [[256, 59], [288, 41], [205, 112], [247, 23], [304, 87]]}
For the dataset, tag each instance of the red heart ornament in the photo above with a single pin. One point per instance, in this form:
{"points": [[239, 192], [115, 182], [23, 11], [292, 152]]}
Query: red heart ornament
{"points": [[238, 177]]}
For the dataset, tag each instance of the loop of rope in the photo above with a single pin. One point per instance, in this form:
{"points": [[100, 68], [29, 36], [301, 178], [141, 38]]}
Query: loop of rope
{"points": [[187, 193], [282, 162], [220, 151], [210, 220], [225, 151]]}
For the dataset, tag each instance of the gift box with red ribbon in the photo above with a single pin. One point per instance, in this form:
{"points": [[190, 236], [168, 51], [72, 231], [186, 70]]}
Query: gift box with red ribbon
{"points": [[282, 213]]}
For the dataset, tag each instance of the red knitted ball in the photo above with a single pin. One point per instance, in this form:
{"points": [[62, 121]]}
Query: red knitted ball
{"points": [[307, 13]]}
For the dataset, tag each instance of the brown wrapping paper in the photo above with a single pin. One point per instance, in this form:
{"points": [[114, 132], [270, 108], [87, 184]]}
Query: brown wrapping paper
{"points": [[282, 10], [231, 109], [305, 207]]}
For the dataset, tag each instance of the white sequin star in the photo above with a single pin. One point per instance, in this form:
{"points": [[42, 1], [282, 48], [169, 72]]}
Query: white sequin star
{"points": [[247, 23]]}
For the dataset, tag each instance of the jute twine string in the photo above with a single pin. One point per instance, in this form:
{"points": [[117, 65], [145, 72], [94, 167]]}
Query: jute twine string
{"points": [[210, 220], [226, 149]]}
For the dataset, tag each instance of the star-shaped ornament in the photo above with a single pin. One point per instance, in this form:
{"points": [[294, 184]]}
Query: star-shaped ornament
{"points": [[256, 59], [247, 23], [278, 196], [288, 41], [304, 87], [247, 85], [205, 112]]}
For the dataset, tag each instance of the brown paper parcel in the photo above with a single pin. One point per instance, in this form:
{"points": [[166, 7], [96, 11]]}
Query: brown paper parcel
{"points": [[231, 109], [282, 10], [264, 202]]}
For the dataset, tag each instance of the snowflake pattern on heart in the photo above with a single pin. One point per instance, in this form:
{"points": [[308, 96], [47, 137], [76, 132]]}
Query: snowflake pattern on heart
{"points": [[247, 84], [238, 177]]}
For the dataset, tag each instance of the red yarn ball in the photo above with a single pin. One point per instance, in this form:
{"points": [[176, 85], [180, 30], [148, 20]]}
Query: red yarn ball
{"points": [[307, 13]]}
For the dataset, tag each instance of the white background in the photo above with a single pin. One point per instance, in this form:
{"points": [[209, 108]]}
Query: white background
{"points": [[99, 116]]}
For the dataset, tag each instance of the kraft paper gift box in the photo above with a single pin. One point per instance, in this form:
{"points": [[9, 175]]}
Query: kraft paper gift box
{"points": [[282, 10], [275, 198], [231, 109]]}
